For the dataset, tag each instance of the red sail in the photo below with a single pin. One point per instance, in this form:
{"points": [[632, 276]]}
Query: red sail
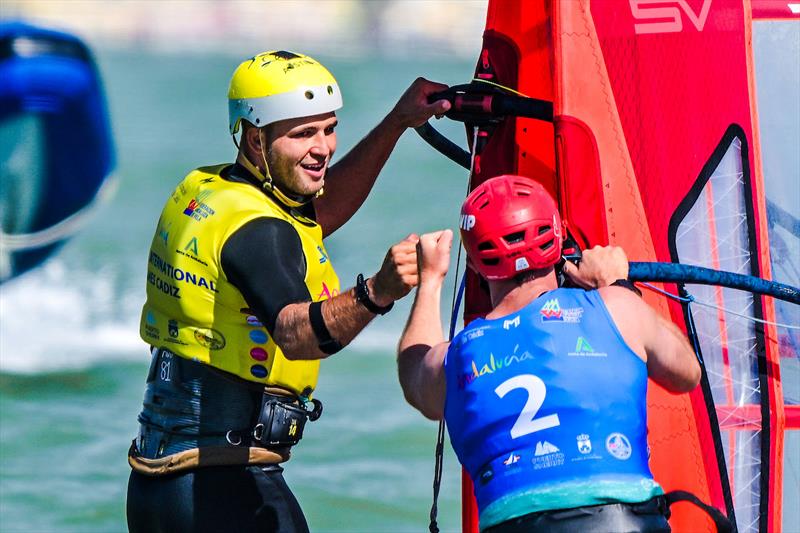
{"points": [[655, 147]]}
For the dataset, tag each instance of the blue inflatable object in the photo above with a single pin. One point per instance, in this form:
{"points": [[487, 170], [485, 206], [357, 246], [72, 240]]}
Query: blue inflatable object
{"points": [[55, 142]]}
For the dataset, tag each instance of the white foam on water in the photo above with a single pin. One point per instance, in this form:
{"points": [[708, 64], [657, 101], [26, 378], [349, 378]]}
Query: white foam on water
{"points": [[52, 319], [376, 339]]}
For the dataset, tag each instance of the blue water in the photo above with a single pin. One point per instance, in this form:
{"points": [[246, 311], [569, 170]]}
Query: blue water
{"points": [[72, 366]]}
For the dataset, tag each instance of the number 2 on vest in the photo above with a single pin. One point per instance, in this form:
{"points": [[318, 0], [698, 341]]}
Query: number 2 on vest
{"points": [[527, 422]]}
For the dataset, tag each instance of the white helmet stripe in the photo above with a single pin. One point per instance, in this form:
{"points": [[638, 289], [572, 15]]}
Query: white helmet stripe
{"points": [[299, 103]]}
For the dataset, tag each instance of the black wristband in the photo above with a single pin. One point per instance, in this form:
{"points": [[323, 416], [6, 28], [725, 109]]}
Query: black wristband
{"points": [[327, 344], [362, 296], [628, 284]]}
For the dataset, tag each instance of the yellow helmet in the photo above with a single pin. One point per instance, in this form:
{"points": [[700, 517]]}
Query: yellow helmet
{"points": [[277, 85]]}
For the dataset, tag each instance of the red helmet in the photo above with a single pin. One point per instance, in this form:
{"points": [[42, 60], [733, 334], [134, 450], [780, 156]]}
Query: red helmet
{"points": [[510, 224]]}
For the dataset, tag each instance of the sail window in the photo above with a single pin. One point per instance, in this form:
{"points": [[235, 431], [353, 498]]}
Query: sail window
{"points": [[715, 233], [776, 47]]}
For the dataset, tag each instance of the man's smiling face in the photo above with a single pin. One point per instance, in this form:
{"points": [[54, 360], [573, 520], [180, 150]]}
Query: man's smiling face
{"points": [[300, 150]]}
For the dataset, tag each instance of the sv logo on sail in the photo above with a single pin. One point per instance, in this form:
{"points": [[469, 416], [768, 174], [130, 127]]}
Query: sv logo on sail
{"points": [[642, 10]]}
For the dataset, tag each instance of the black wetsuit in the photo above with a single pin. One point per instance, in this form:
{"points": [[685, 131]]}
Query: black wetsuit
{"points": [[214, 499], [264, 260]]}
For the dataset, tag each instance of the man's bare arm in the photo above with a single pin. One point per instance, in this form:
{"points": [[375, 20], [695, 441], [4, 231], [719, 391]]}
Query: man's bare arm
{"points": [[421, 351], [420, 354], [344, 316], [349, 181], [671, 362]]}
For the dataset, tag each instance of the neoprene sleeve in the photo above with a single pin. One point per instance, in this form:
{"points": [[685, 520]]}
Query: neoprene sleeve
{"points": [[264, 260]]}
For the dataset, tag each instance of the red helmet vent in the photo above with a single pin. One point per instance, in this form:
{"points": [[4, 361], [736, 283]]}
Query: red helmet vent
{"points": [[514, 238]]}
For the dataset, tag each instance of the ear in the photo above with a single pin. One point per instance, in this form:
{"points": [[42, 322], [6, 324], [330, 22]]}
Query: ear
{"points": [[252, 139]]}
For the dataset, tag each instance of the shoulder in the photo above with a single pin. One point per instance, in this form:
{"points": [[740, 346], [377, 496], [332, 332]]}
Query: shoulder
{"points": [[266, 231], [475, 329], [263, 245], [264, 241], [211, 170], [206, 174], [621, 296], [624, 305]]}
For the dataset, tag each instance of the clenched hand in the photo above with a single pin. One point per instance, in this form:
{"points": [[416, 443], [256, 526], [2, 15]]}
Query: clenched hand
{"points": [[433, 255], [413, 109], [398, 274]]}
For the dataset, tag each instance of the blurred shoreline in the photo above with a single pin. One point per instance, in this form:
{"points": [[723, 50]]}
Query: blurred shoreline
{"points": [[346, 29]]}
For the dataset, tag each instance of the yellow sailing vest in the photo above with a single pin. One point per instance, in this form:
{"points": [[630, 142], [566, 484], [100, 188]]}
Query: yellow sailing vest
{"points": [[192, 309]]}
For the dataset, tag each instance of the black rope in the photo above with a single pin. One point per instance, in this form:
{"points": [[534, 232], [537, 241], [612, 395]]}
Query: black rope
{"points": [[433, 527], [437, 478], [720, 520], [443, 145], [708, 398]]}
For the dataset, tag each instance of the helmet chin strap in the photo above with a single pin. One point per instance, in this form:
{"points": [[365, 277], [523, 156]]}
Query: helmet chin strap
{"points": [[268, 184]]}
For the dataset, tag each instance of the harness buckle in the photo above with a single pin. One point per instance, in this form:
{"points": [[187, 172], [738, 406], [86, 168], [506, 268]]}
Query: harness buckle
{"points": [[230, 436], [316, 411]]}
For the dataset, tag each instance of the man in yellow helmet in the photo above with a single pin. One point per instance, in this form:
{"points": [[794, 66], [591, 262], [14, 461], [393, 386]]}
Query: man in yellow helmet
{"points": [[242, 300]]}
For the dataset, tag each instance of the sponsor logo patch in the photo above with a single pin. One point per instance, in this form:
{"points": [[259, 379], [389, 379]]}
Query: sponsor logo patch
{"points": [[466, 222], [326, 293], [551, 311], [191, 246], [584, 349], [197, 208], [163, 232], [584, 444], [254, 321], [494, 364], [152, 332], [474, 334], [547, 455], [190, 250], [487, 475], [210, 338], [259, 371], [619, 446], [258, 336], [545, 448]]}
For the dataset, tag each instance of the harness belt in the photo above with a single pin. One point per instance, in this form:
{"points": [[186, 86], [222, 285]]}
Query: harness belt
{"points": [[195, 415]]}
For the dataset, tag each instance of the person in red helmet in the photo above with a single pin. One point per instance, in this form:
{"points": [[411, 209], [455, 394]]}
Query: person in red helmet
{"points": [[544, 398]]}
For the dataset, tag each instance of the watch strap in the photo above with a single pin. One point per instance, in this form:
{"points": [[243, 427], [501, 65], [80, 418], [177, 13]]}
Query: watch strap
{"points": [[362, 296], [628, 284]]}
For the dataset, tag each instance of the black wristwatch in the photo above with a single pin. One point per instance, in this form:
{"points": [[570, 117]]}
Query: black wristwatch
{"points": [[628, 284], [362, 295]]}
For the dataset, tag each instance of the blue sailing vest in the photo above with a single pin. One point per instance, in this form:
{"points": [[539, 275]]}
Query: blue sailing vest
{"points": [[546, 409]]}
